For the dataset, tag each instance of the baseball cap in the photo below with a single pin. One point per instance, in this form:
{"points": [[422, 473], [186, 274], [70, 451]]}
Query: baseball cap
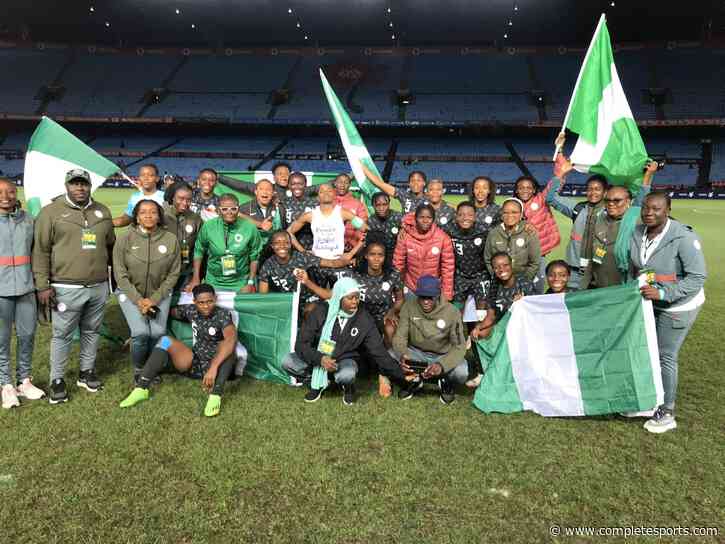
{"points": [[428, 286], [78, 173]]}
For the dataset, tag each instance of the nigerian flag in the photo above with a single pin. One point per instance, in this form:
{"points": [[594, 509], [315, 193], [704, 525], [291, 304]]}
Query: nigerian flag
{"points": [[266, 330], [52, 152], [352, 143], [574, 354], [242, 183], [609, 142]]}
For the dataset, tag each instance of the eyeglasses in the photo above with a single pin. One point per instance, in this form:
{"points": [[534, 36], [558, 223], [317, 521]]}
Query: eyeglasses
{"points": [[616, 201], [226, 209]]}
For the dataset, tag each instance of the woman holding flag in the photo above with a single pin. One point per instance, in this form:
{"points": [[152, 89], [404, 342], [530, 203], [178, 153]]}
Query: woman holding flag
{"points": [[669, 256]]}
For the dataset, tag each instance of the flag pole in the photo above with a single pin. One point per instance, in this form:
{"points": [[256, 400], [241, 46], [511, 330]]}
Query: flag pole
{"points": [[127, 178], [602, 21]]}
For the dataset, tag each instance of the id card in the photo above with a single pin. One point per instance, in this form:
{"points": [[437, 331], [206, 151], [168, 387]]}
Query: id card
{"points": [[599, 254], [229, 265], [327, 347], [88, 239], [185, 255], [583, 263]]}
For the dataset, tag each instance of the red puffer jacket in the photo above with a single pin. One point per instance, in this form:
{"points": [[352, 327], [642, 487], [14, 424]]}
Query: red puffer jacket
{"points": [[537, 212], [419, 254]]}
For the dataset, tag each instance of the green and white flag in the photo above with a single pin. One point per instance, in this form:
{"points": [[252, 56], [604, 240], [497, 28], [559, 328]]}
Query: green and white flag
{"points": [[574, 354], [609, 141], [52, 152], [253, 176], [352, 143], [266, 331]]}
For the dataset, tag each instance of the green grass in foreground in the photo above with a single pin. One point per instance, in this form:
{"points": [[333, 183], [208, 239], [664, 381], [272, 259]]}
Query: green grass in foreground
{"points": [[273, 469]]}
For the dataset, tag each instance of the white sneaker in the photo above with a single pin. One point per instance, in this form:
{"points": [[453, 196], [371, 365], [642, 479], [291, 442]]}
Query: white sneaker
{"points": [[662, 421], [475, 382], [10, 397], [29, 391]]}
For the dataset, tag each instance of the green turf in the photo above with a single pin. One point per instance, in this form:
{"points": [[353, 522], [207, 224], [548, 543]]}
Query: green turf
{"points": [[274, 469]]}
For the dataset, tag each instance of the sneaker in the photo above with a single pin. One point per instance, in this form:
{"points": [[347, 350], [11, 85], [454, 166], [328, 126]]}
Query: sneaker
{"points": [[58, 393], [88, 380], [28, 390], [662, 421], [10, 397], [139, 394], [313, 395], [384, 387], [348, 395], [474, 382], [447, 393], [213, 406], [411, 390]]}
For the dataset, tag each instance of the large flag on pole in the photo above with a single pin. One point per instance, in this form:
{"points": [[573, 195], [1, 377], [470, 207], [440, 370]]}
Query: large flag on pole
{"points": [[52, 152], [609, 142], [352, 143], [574, 354]]}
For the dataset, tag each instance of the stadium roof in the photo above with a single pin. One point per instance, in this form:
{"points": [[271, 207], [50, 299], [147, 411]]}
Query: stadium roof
{"points": [[362, 22]]}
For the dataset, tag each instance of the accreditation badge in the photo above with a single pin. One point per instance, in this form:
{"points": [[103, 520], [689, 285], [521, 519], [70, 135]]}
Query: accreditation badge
{"points": [[88, 239], [599, 254], [229, 265], [327, 347], [185, 255]]}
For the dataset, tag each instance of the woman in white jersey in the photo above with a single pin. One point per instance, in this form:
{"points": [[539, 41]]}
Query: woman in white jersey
{"points": [[328, 227]]}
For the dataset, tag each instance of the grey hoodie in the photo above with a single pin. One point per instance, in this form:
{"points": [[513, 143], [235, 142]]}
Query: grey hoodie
{"points": [[678, 262], [16, 243]]}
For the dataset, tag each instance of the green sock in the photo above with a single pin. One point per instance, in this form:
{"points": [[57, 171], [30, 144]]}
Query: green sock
{"points": [[137, 395], [213, 406]]}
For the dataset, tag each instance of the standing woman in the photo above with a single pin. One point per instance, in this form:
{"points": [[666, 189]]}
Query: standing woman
{"points": [[424, 249], [185, 224], [17, 297], [146, 264], [483, 196], [386, 222], [538, 214], [513, 238], [673, 252]]}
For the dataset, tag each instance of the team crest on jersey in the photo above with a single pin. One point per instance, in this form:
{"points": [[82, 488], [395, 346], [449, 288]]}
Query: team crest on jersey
{"points": [[520, 242], [162, 249], [534, 206], [189, 228], [477, 242], [435, 250], [386, 286]]}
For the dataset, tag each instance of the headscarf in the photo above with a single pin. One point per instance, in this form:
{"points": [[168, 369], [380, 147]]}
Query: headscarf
{"points": [[621, 245], [343, 287]]}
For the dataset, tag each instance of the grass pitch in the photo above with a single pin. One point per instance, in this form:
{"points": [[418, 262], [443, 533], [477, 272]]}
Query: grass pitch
{"points": [[273, 469]]}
